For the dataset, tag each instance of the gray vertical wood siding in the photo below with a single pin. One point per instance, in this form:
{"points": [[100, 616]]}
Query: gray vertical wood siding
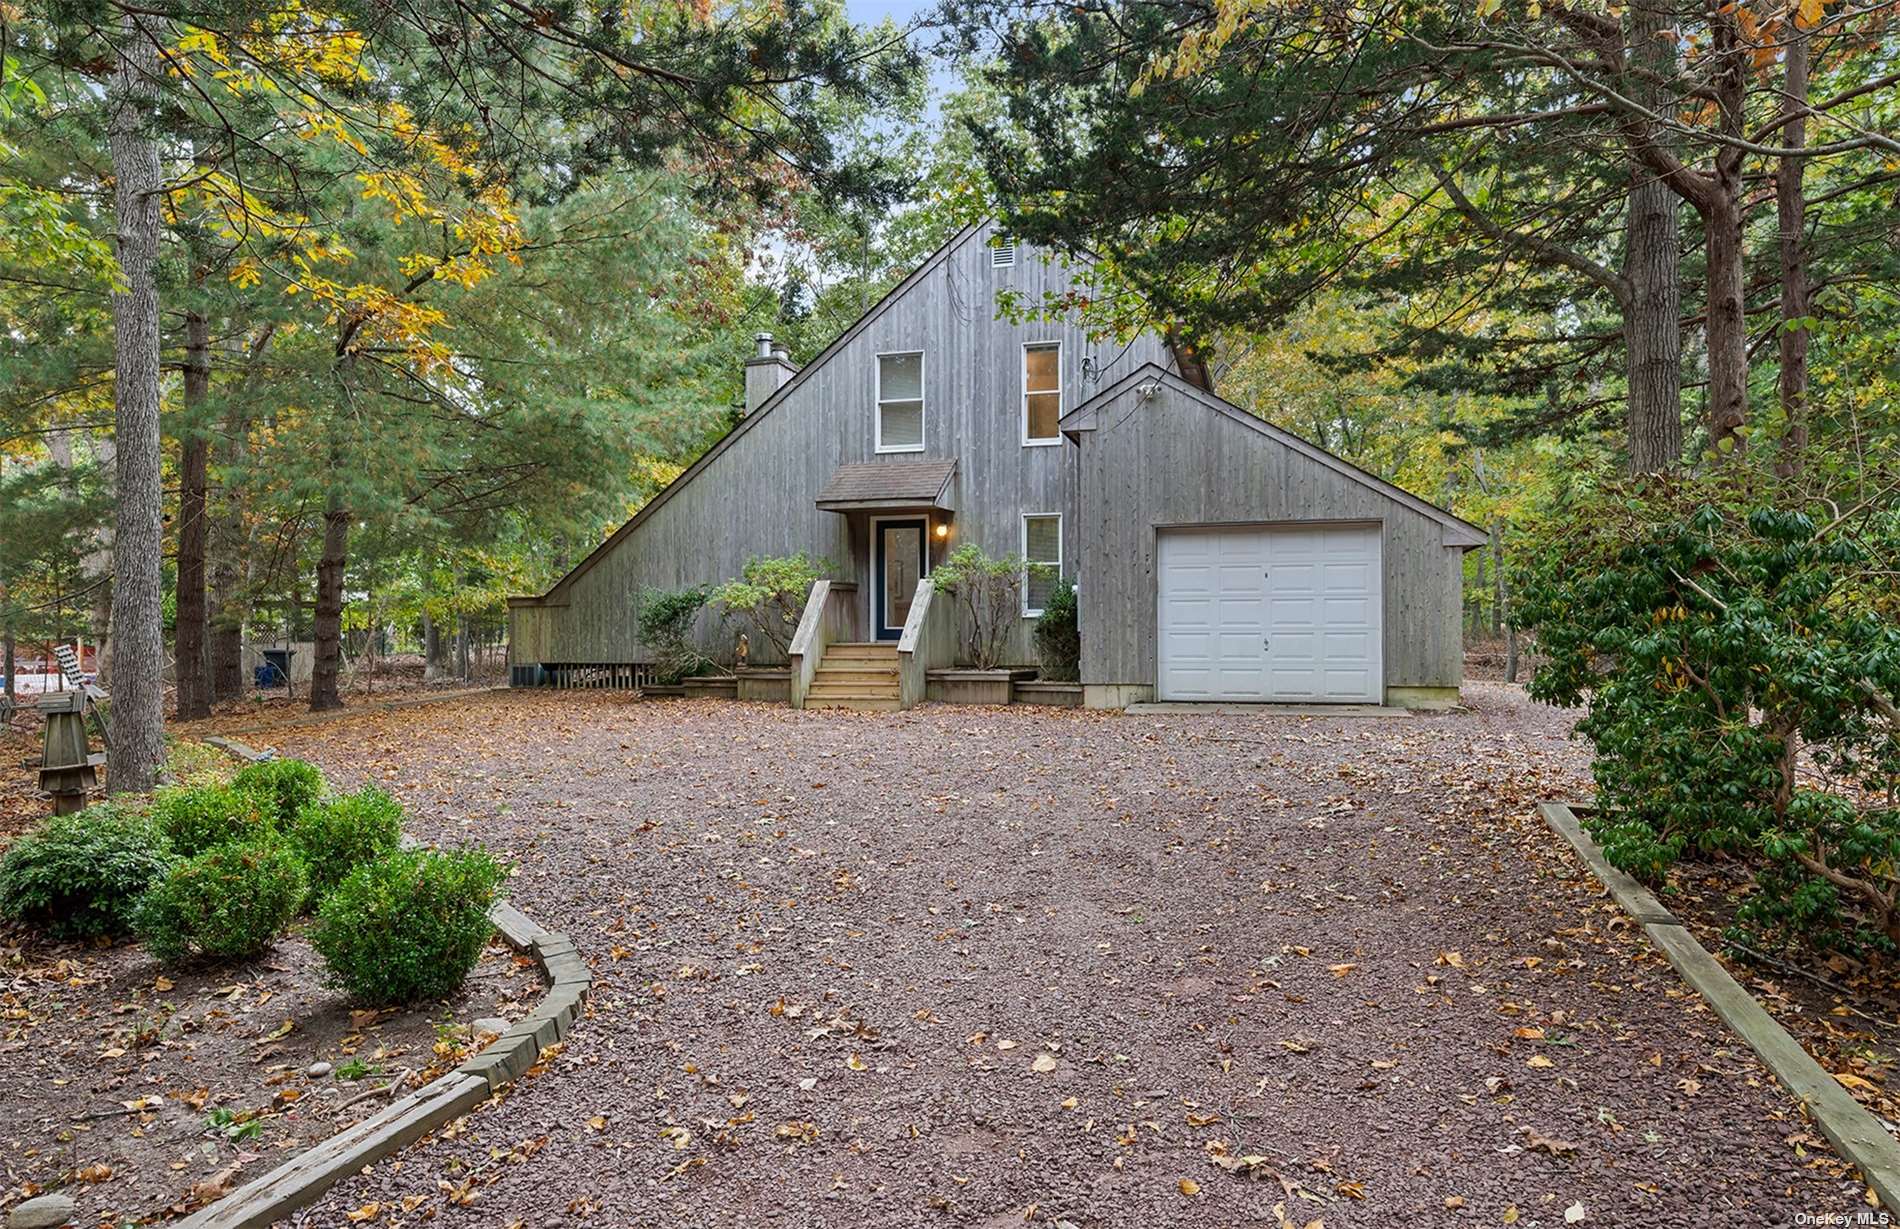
{"points": [[1170, 459], [753, 493]]}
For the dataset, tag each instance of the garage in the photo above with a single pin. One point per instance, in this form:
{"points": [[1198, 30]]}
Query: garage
{"points": [[1275, 613]]}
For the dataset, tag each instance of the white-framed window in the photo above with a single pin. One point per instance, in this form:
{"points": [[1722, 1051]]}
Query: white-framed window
{"points": [[1042, 392], [899, 424], [1003, 252], [1042, 543]]}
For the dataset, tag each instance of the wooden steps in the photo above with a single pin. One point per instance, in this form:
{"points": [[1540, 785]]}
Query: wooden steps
{"points": [[856, 676]]}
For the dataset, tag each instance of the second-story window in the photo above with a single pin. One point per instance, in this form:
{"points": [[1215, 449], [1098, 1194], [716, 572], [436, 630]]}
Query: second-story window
{"points": [[1042, 392], [900, 402]]}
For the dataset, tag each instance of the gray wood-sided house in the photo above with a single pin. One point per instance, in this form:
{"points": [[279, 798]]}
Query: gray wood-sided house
{"points": [[1216, 557]]}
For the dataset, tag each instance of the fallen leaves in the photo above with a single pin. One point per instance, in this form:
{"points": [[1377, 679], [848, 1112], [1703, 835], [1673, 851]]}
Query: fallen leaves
{"points": [[1188, 1187], [1537, 1142], [797, 1131], [1044, 1064]]}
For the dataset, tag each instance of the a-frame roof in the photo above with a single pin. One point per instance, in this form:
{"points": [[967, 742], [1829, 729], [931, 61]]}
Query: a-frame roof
{"points": [[1087, 417], [745, 424]]}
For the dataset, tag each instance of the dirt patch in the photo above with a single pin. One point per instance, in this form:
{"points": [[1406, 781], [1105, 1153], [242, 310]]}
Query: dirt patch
{"points": [[966, 966], [142, 1091]]}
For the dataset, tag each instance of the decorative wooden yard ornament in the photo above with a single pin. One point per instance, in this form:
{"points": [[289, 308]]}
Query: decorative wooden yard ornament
{"points": [[92, 694], [67, 766], [740, 654]]}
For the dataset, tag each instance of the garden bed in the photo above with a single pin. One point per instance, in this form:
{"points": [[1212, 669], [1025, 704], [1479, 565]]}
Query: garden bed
{"points": [[1844, 1011], [278, 924], [140, 1091]]}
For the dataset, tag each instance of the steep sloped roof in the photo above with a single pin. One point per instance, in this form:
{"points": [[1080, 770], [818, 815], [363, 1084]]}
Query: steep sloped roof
{"points": [[745, 424], [1087, 417]]}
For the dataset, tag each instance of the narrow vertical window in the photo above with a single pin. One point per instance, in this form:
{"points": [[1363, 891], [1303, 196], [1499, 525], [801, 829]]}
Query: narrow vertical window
{"points": [[1042, 392], [1042, 544], [900, 402]]}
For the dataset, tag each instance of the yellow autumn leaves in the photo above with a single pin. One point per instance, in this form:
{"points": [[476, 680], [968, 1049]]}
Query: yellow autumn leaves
{"points": [[427, 180]]}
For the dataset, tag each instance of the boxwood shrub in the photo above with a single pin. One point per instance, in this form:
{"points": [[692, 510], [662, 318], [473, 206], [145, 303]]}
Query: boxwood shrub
{"points": [[79, 876], [339, 834], [206, 816], [287, 785], [409, 926], [228, 903]]}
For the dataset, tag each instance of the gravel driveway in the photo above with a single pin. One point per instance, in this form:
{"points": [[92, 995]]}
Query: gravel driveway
{"points": [[988, 967]]}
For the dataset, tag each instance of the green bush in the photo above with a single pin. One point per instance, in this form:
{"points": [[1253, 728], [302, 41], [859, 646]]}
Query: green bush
{"points": [[203, 817], [770, 595], [1058, 636], [287, 785], [666, 630], [409, 926], [339, 834], [80, 876], [1741, 665], [989, 588], [227, 903]]}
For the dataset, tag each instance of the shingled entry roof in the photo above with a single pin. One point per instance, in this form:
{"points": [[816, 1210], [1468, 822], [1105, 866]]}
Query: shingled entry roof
{"points": [[889, 484]]}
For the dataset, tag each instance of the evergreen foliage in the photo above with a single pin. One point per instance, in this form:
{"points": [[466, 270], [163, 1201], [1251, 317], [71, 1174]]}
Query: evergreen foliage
{"points": [[228, 903], [1059, 635], [408, 927], [81, 876]]}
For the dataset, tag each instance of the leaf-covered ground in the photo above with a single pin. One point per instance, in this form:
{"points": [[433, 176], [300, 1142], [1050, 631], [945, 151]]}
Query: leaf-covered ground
{"points": [[146, 1092], [981, 967]]}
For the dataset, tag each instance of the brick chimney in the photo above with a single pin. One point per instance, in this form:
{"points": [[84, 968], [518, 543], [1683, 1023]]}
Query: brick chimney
{"points": [[766, 372]]}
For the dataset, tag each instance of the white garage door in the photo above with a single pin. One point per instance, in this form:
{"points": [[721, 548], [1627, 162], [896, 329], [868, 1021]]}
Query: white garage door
{"points": [[1284, 614]]}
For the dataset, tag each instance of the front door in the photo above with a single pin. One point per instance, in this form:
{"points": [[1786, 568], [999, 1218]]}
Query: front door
{"points": [[898, 562]]}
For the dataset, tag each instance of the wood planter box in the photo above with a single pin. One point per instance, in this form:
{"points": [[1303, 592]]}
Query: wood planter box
{"points": [[768, 685], [712, 687], [1041, 691], [961, 686]]}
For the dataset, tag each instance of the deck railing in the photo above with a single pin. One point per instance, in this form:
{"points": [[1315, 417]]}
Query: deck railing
{"points": [[929, 641], [590, 676], [830, 616]]}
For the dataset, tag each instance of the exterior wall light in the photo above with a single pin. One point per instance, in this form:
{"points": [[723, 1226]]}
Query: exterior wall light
{"points": [[943, 529]]}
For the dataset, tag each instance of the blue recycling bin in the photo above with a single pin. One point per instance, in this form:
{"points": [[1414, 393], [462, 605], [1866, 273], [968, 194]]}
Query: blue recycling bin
{"points": [[275, 672]]}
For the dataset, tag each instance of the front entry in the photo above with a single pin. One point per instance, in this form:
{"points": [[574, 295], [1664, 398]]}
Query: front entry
{"points": [[898, 563]]}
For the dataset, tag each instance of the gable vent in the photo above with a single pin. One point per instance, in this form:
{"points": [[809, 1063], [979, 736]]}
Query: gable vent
{"points": [[1003, 254]]}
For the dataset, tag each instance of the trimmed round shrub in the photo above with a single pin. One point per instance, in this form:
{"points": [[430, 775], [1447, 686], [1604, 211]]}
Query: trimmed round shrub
{"points": [[338, 835], [80, 876], [288, 785], [206, 816], [227, 903], [409, 926]]}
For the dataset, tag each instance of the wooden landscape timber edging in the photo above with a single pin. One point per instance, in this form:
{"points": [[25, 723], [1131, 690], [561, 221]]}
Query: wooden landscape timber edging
{"points": [[1854, 1132], [300, 1181]]}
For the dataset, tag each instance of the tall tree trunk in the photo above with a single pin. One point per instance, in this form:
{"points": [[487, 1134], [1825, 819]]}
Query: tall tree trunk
{"points": [[1652, 324], [1722, 221], [188, 646], [1652, 266], [230, 573], [1791, 209], [138, 637], [434, 660], [1497, 580], [329, 619]]}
